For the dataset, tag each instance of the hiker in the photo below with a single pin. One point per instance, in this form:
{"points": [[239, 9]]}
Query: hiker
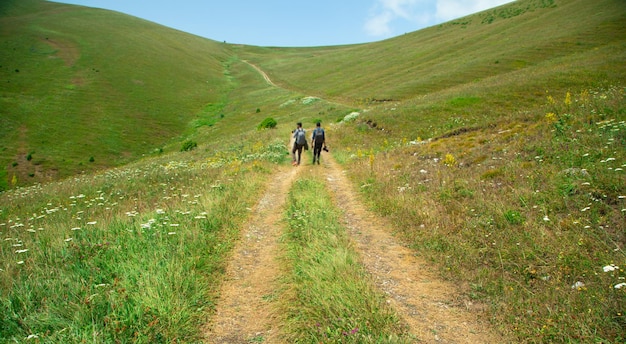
{"points": [[317, 141], [299, 143]]}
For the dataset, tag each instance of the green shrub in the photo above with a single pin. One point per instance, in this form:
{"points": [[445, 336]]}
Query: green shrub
{"points": [[188, 145], [268, 123]]}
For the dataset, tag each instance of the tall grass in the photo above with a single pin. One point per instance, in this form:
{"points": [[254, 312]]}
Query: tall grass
{"points": [[130, 255], [328, 296], [529, 213]]}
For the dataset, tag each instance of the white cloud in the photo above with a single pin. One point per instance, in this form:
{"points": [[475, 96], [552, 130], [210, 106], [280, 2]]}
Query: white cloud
{"points": [[451, 9], [385, 14], [386, 11]]}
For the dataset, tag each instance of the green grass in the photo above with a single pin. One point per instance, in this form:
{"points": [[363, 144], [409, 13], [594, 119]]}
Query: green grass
{"points": [[101, 84], [488, 91], [527, 210], [135, 254], [328, 296]]}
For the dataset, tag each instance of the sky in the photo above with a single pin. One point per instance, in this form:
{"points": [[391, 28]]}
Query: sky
{"points": [[289, 23]]}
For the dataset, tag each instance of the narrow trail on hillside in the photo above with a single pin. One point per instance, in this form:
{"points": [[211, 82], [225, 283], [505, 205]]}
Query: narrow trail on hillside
{"points": [[243, 309], [263, 74]]}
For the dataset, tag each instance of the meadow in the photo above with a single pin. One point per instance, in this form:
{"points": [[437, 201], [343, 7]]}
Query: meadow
{"points": [[495, 144], [131, 254]]}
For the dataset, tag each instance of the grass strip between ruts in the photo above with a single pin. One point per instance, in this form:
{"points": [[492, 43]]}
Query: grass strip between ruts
{"points": [[328, 295]]}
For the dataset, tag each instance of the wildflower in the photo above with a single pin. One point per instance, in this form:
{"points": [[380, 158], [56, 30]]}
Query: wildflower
{"points": [[92, 222], [174, 224], [160, 211], [69, 239], [620, 285], [546, 218], [610, 268], [171, 233], [551, 117], [568, 99], [76, 228], [21, 251], [449, 160], [578, 285], [20, 262]]}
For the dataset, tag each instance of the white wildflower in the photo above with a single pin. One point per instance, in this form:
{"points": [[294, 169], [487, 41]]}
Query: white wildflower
{"points": [[578, 285], [610, 268], [620, 285]]}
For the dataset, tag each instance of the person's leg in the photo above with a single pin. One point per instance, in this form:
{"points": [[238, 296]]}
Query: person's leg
{"points": [[299, 153], [316, 154], [293, 154]]}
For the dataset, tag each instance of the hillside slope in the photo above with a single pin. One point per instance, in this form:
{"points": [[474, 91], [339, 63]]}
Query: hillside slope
{"points": [[520, 36], [83, 85]]}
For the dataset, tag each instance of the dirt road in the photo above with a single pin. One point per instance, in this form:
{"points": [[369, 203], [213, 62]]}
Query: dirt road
{"points": [[431, 307]]}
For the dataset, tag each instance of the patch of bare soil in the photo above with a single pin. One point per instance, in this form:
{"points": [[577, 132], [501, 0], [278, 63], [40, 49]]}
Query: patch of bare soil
{"points": [[433, 309], [67, 51], [244, 313]]}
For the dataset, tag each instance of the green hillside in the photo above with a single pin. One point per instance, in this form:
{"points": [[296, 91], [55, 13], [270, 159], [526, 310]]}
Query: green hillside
{"points": [[494, 145], [82, 83]]}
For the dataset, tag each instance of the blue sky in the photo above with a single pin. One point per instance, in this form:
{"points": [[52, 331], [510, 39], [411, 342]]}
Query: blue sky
{"points": [[295, 24]]}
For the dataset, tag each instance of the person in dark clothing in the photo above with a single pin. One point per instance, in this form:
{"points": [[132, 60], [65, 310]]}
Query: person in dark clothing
{"points": [[318, 140], [299, 143]]}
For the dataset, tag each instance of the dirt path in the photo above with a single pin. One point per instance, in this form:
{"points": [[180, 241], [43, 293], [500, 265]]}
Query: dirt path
{"points": [[243, 312], [263, 74], [431, 307]]}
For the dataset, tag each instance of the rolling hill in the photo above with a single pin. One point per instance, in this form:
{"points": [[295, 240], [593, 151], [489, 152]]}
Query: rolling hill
{"points": [[493, 146], [82, 83], [86, 89]]}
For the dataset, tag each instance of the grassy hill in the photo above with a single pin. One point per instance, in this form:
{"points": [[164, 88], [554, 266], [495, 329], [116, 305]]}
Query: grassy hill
{"points": [[84, 84], [495, 142]]}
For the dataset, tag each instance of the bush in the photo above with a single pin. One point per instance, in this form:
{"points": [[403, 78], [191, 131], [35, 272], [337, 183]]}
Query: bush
{"points": [[188, 145], [268, 123]]}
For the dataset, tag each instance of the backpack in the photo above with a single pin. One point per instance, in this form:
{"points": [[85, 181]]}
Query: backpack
{"points": [[300, 137], [318, 135]]}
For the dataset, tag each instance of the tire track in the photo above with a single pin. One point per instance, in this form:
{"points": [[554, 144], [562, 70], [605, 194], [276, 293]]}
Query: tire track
{"points": [[431, 307], [244, 313]]}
